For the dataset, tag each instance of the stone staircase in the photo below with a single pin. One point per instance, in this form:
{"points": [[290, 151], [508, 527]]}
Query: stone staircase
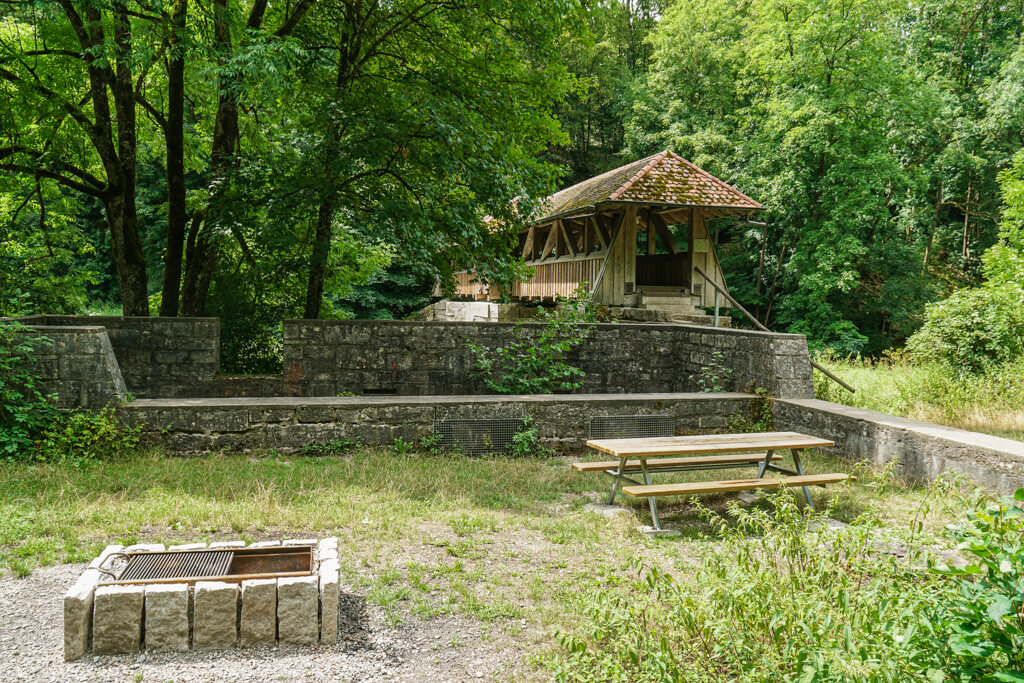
{"points": [[680, 305]]}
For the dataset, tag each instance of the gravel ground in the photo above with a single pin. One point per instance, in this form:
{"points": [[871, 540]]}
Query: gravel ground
{"points": [[448, 649]]}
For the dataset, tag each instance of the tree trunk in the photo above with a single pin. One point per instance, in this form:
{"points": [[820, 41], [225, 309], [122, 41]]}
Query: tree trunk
{"points": [[122, 217], [175, 144], [318, 260], [126, 248], [200, 258]]}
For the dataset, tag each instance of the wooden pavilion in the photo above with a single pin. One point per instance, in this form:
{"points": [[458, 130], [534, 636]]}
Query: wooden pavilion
{"points": [[590, 232]]}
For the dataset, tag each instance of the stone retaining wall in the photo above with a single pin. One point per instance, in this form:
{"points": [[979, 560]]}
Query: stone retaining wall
{"points": [[196, 426], [923, 450], [76, 365], [157, 356], [332, 357]]}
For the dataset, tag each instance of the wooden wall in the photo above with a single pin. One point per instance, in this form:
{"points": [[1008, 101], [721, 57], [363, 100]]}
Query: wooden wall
{"points": [[573, 255]]}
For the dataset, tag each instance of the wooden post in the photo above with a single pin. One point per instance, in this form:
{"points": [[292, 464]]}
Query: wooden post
{"points": [[628, 285], [651, 235]]}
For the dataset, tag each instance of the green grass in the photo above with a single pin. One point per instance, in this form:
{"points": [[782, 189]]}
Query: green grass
{"points": [[992, 403], [502, 541]]}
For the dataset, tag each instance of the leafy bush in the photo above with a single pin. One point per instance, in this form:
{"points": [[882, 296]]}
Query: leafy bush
{"points": [[535, 363], [24, 410], [973, 330], [83, 436], [32, 428], [988, 617], [976, 329], [526, 442]]}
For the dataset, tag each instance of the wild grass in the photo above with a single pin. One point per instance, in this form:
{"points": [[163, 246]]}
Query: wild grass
{"points": [[992, 403], [506, 542]]}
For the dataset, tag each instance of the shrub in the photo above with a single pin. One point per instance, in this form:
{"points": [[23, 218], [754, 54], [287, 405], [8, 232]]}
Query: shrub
{"points": [[24, 410], [973, 330], [83, 436], [988, 617], [535, 364], [32, 428]]}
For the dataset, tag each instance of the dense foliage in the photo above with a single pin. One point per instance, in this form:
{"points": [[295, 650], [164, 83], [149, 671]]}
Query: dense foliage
{"points": [[257, 160], [981, 327], [784, 596], [31, 428], [534, 361]]}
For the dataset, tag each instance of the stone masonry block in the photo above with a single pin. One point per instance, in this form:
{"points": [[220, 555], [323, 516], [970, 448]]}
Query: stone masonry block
{"points": [[329, 601], [188, 546], [167, 617], [297, 610], [117, 619], [145, 548], [259, 612], [215, 620], [328, 549], [78, 614], [228, 544]]}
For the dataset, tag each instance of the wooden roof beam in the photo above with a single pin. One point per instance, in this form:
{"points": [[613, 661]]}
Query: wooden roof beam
{"points": [[549, 244]]}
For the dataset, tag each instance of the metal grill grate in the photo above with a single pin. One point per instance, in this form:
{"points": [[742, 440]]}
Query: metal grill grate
{"points": [[631, 426], [479, 436], [176, 565]]}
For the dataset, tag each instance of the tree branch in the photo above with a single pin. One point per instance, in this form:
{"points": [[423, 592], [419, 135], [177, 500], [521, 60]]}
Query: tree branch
{"points": [[291, 22]]}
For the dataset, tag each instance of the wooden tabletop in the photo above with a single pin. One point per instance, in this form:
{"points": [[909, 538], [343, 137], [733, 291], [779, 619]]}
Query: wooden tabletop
{"points": [[706, 443]]}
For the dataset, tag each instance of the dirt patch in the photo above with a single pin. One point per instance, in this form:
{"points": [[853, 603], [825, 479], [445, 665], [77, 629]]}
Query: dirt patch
{"points": [[438, 649]]}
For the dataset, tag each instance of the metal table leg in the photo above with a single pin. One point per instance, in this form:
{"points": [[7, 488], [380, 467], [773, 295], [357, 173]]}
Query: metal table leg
{"points": [[800, 471], [763, 467], [652, 500], [616, 481]]}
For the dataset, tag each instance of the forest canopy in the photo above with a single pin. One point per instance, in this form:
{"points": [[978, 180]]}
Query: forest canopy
{"points": [[333, 158]]}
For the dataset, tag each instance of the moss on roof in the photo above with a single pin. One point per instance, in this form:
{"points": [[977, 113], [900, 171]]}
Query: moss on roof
{"points": [[664, 178]]}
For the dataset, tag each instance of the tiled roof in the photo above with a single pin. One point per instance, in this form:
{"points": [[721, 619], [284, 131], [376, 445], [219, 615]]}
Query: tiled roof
{"points": [[664, 178]]}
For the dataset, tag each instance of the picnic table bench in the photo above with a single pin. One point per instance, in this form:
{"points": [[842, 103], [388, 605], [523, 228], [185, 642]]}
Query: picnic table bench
{"points": [[705, 452]]}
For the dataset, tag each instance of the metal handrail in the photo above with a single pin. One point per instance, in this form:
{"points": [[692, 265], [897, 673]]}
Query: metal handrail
{"points": [[761, 327]]}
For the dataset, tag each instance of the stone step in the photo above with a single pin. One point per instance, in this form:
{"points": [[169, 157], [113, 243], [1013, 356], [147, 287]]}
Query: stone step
{"points": [[694, 319], [688, 300], [658, 290]]}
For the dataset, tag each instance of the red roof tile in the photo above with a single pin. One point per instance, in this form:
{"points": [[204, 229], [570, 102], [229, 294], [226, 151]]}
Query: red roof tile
{"points": [[664, 178]]}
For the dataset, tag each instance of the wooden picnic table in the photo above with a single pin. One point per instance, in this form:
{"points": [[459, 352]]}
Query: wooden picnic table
{"points": [[705, 452]]}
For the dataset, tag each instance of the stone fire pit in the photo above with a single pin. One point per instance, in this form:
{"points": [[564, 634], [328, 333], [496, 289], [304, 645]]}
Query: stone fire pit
{"points": [[201, 597]]}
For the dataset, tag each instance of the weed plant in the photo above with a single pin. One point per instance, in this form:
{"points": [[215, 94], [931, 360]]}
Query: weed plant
{"points": [[778, 594]]}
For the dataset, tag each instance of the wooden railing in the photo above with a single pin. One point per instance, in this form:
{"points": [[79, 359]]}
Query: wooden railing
{"points": [[558, 278], [550, 280]]}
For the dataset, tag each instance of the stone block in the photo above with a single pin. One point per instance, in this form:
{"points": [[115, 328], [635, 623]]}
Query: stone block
{"points": [[329, 601], [328, 549], [259, 612], [188, 546], [265, 544], [117, 619], [297, 610], [78, 614], [167, 617], [145, 548], [228, 544], [215, 620], [299, 541]]}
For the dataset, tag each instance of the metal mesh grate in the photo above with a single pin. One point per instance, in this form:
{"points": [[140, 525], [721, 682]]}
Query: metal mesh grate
{"points": [[176, 565], [631, 426], [479, 436]]}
